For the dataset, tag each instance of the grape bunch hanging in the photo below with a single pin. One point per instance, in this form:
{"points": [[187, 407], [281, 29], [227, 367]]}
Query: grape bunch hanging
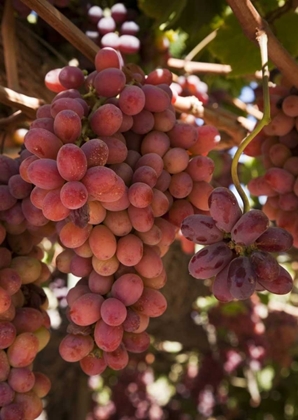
{"points": [[110, 174], [106, 172]]}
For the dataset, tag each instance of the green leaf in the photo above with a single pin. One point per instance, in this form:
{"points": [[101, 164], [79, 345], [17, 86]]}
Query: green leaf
{"points": [[284, 28], [164, 12], [232, 47], [196, 14]]}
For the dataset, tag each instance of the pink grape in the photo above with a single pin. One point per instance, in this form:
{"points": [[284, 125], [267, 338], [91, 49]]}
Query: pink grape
{"points": [[220, 286], [129, 250], [117, 359], [30, 403], [19, 188], [200, 168], [12, 411], [156, 99], [21, 379], [71, 77], [86, 309], [73, 236], [118, 222], [73, 348], [152, 303], [109, 82], [156, 282], [145, 174], [53, 208], [210, 260], [96, 212], [140, 194], [151, 264], [93, 365], [265, 265], [275, 239], [207, 140], [10, 280], [143, 122], [280, 180], [106, 120], [100, 284], [164, 121], [44, 174], [95, 13], [241, 278], [129, 44], [102, 242], [107, 337], [111, 39], [176, 160], [66, 103], [119, 12], [42, 143], [142, 219], [71, 162], [6, 394], [100, 180], [181, 185], [281, 285], [153, 160], [106, 25], [105, 267], [42, 384], [107, 58], [128, 288], [131, 100], [67, 126], [224, 208], [73, 195], [178, 211], [117, 150], [136, 343], [132, 321], [201, 229], [52, 81], [155, 142], [81, 266], [113, 312], [182, 135], [249, 227], [4, 366], [23, 350], [121, 204]]}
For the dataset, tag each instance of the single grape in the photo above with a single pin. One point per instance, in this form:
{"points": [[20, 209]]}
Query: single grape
{"points": [[210, 260], [241, 278], [128, 288], [249, 227], [86, 309], [201, 229]]}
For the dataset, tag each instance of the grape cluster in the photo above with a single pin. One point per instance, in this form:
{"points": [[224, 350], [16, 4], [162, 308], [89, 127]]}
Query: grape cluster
{"points": [[278, 145], [114, 27], [24, 323], [115, 172], [189, 85], [238, 249]]}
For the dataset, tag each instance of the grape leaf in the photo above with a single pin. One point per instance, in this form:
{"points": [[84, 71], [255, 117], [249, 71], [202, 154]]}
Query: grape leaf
{"points": [[284, 28], [232, 47], [164, 12], [196, 14]]}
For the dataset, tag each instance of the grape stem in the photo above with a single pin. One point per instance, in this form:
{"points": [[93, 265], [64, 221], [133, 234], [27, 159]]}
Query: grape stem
{"points": [[263, 44]]}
